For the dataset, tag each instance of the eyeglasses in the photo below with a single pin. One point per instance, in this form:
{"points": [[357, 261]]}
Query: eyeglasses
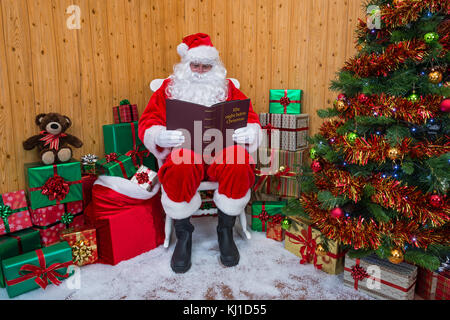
{"points": [[198, 67]]}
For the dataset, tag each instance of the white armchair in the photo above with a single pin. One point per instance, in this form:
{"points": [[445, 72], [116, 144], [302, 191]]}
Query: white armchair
{"points": [[204, 185]]}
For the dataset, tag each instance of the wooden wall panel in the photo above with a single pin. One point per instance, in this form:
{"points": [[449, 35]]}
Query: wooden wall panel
{"points": [[124, 44]]}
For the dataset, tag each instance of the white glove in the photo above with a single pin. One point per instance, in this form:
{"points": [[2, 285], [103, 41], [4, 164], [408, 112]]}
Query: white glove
{"points": [[245, 135], [169, 138]]}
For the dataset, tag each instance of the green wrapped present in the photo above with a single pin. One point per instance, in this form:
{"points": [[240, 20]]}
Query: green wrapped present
{"points": [[262, 211], [36, 269], [53, 184], [117, 165], [285, 101], [17, 243], [123, 138]]}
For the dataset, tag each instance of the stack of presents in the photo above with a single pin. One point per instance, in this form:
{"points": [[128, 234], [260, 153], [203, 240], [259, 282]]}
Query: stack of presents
{"points": [[55, 225], [280, 157]]}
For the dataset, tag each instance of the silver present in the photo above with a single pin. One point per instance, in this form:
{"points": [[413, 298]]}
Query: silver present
{"points": [[145, 178], [380, 278]]}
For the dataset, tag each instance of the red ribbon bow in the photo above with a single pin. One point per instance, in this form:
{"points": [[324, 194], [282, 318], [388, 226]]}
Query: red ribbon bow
{"points": [[308, 246], [41, 273], [55, 188], [142, 178], [111, 157], [264, 216], [277, 218], [358, 273], [285, 101], [134, 153], [52, 139]]}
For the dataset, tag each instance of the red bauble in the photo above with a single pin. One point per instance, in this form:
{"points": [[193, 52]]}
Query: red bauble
{"points": [[363, 98], [316, 166], [436, 200], [445, 105], [337, 213], [341, 96]]}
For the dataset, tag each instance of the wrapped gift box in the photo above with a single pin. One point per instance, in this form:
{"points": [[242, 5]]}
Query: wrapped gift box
{"points": [[125, 112], [285, 101], [50, 221], [116, 165], [87, 181], [274, 230], [126, 227], [14, 212], [31, 270], [88, 162], [272, 160], [53, 184], [262, 211], [145, 178], [428, 283], [284, 131], [302, 239], [83, 241], [17, 243], [123, 139], [386, 281], [282, 184]]}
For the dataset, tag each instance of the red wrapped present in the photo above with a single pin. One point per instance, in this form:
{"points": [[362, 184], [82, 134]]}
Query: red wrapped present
{"points": [[83, 241], [125, 112], [274, 230], [14, 213], [443, 286], [87, 181], [126, 226], [50, 221]]}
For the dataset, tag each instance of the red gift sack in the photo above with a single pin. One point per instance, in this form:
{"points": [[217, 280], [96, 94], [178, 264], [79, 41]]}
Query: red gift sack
{"points": [[87, 181], [126, 226]]}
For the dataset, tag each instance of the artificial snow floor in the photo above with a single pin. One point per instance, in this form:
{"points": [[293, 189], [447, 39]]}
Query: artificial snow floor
{"points": [[265, 271]]}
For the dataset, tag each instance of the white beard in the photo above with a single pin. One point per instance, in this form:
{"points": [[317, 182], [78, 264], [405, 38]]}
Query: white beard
{"points": [[207, 89]]}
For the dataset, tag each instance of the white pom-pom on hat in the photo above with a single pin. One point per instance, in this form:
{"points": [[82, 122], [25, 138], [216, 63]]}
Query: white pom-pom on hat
{"points": [[182, 49]]}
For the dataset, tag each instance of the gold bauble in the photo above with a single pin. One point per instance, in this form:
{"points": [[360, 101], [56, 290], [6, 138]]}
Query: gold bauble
{"points": [[435, 76], [340, 106], [393, 153], [320, 250], [397, 2], [396, 256]]}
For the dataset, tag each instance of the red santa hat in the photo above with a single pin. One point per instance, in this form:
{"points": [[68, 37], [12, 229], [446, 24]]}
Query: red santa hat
{"points": [[198, 48]]}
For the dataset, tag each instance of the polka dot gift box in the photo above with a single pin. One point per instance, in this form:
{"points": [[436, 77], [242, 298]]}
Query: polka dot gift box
{"points": [[50, 221], [14, 213]]}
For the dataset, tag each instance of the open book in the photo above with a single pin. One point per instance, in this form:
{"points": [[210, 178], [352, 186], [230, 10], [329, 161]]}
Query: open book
{"points": [[204, 126]]}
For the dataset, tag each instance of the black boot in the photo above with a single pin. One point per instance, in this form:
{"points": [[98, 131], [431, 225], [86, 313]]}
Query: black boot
{"points": [[229, 254], [181, 258]]}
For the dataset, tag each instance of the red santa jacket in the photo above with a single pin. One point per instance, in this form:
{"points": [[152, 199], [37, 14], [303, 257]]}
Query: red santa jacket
{"points": [[153, 119]]}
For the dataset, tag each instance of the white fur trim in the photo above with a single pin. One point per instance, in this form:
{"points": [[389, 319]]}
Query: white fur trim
{"points": [[258, 139], [149, 141], [236, 83], [156, 84], [180, 210], [229, 206], [204, 54], [182, 49], [126, 187]]}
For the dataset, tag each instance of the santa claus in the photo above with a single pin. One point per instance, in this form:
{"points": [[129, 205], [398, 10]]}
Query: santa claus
{"points": [[200, 78]]}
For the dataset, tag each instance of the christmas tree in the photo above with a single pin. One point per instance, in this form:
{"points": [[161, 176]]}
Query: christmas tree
{"points": [[379, 177]]}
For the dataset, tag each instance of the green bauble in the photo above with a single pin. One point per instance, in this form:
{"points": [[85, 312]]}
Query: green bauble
{"points": [[285, 224], [430, 37], [313, 153], [351, 137], [413, 97]]}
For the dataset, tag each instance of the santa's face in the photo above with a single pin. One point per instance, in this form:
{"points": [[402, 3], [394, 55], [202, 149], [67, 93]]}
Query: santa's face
{"points": [[197, 82]]}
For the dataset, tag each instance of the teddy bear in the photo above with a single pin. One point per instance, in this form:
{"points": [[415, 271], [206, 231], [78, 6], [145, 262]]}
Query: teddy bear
{"points": [[53, 141]]}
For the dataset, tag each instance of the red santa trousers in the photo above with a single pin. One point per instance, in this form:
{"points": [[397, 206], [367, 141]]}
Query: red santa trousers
{"points": [[184, 170]]}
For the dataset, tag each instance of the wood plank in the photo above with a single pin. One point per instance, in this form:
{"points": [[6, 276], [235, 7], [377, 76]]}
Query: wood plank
{"points": [[280, 44], [102, 64], [118, 53], [147, 50], [249, 66], [89, 109], [191, 16], [218, 28], [44, 56], [172, 22], [8, 179], [66, 44], [234, 42], [159, 56], [205, 17], [264, 36], [16, 31]]}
